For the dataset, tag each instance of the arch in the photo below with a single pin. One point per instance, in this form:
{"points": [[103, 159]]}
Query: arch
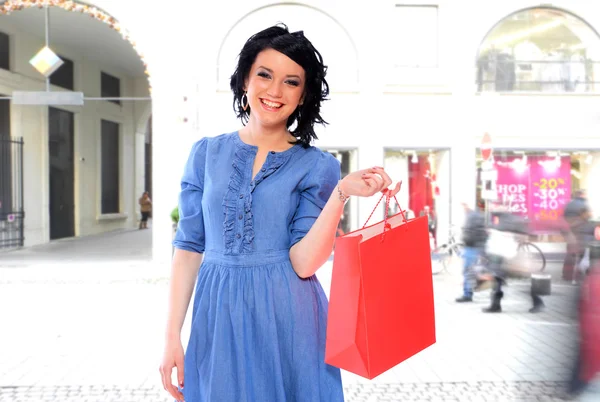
{"points": [[539, 48], [236, 24], [95, 12], [558, 9]]}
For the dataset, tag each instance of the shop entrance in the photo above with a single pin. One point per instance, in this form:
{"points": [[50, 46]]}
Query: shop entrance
{"points": [[538, 184], [425, 175]]}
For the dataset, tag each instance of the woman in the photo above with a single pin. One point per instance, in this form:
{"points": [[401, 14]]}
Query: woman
{"points": [[259, 209], [146, 208]]}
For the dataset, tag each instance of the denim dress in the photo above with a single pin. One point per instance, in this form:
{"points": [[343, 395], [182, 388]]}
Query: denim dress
{"points": [[258, 329]]}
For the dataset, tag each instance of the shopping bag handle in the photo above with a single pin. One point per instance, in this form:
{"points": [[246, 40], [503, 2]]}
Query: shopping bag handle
{"points": [[386, 225]]}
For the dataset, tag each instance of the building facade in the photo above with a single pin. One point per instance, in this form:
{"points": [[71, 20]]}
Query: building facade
{"points": [[414, 87], [80, 168]]}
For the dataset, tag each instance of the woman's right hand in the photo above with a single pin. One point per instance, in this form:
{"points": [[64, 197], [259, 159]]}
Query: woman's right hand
{"points": [[172, 358]]}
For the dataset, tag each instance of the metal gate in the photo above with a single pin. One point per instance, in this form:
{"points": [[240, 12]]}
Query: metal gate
{"points": [[11, 193]]}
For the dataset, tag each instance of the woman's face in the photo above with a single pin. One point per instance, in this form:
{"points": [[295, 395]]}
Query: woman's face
{"points": [[275, 87]]}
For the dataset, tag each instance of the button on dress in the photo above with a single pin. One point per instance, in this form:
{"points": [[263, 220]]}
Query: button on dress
{"points": [[258, 329]]}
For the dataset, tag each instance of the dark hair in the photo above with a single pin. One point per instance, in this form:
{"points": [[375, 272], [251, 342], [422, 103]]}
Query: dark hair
{"points": [[298, 48]]}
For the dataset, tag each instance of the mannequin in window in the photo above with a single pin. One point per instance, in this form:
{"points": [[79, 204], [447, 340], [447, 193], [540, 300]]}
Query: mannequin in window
{"points": [[577, 79], [505, 71], [486, 69], [431, 220], [528, 59], [552, 72]]}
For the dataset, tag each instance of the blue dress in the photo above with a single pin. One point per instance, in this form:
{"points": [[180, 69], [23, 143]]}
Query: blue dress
{"points": [[258, 330]]}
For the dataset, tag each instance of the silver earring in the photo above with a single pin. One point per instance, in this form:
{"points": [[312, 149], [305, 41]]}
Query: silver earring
{"points": [[244, 101]]}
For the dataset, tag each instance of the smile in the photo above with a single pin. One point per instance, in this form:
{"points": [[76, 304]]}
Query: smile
{"points": [[271, 105]]}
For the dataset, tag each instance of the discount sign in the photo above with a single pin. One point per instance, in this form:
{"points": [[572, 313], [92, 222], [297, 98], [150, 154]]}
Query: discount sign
{"points": [[551, 188]]}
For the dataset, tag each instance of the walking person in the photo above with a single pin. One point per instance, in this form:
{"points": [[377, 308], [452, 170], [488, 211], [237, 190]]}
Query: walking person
{"points": [[145, 208], [259, 210], [474, 236], [576, 215], [501, 251]]}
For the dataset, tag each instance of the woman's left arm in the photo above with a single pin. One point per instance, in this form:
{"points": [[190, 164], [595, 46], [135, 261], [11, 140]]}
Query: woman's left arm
{"points": [[310, 253]]}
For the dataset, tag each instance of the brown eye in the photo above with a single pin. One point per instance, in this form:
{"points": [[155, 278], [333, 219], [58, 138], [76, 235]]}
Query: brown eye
{"points": [[263, 74], [293, 83]]}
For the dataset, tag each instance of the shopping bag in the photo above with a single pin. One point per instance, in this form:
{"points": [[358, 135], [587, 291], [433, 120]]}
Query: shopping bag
{"points": [[584, 264], [381, 309]]}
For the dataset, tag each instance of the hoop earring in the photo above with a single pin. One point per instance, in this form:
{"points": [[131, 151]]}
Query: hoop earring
{"points": [[244, 101]]}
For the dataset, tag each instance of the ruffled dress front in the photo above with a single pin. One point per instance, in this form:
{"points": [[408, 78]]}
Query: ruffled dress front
{"points": [[258, 330]]}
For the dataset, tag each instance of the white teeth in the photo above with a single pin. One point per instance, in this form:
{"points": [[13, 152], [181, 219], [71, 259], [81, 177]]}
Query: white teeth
{"points": [[271, 104]]}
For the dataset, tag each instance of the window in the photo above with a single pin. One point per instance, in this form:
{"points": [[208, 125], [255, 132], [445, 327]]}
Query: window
{"points": [[64, 76], [6, 183], [539, 50], [110, 87], [110, 167], [4, 51], [415, 36]]}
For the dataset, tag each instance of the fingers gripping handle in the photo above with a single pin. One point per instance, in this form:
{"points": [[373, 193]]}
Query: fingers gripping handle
{"points": [[386, 225]]}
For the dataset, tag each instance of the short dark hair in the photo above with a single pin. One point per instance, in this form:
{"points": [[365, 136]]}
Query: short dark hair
{"points": [[298, 48]]}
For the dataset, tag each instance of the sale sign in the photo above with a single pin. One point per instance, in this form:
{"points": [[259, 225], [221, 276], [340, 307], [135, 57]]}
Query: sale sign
{"points": [[551, 187], [537, 188], [512, 185]]}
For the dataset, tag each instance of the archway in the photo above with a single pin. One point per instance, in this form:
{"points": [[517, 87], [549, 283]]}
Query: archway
{"points": [[541, 49], [95, 169], [9, 6], [341, 54]]}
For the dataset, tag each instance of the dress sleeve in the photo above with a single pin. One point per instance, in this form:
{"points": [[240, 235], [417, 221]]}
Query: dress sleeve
{"points": [[315, 191], [190, 229]]}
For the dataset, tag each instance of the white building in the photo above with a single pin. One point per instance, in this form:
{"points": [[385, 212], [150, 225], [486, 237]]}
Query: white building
{"points": [[82, 166], [415, 85]]}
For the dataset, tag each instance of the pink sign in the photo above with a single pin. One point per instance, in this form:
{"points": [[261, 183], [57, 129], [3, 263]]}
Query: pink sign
{"points": [[513, 185], [550, 188], [537, 188]]}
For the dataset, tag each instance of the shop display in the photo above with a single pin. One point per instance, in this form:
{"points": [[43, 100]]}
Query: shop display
{"points": [[535, 187]]}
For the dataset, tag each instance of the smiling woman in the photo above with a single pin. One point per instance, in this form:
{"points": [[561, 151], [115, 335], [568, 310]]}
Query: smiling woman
{"points": [[259, 211], [277, 74]]}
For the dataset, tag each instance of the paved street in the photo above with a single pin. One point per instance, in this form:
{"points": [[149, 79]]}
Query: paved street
{"points": [[75, 330]]}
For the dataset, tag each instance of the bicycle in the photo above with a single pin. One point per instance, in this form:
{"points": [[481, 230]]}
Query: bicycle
{"points": [[443, 256], [530, 255], [528, 259]]}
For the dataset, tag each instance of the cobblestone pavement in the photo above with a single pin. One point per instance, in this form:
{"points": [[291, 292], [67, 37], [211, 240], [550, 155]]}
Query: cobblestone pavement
{"points": [[477, 391], [92, 331]]}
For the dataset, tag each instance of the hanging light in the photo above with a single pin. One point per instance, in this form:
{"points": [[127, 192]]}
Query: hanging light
{"points": [[414, 158]]}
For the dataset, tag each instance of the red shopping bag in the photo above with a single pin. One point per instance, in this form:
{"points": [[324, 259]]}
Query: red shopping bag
{"points": [[381, 308]]}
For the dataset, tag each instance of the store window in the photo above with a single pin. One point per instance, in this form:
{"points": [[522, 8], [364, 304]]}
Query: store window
{"points": [[540, 50], [4, 51], [110, 87], [64, 76], [110, 154], [537, 185], [425, 176]]}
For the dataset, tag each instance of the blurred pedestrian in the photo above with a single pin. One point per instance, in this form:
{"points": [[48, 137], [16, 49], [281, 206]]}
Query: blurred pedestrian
{"points": [[474, 237], [576, 216], [146, 209], [501, 252]]}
